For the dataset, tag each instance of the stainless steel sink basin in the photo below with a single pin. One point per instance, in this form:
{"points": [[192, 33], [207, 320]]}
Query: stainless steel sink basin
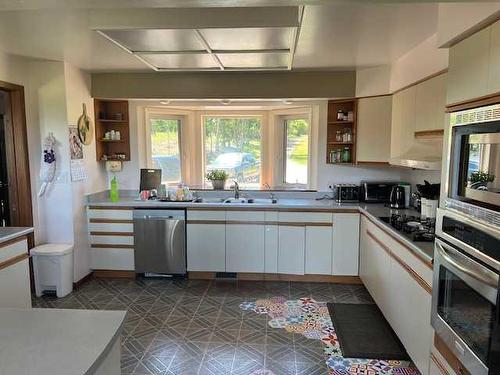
{"points": [[251, 200]]}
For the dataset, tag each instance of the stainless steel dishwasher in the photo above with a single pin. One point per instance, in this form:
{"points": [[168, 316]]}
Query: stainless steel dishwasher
{"points": [[160, 241]]}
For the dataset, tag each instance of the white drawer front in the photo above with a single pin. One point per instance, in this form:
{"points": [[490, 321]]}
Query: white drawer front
{"points": [[305, 217], [206, 215], [13, 250], [112, 259], [112, 240], [245, 215], [110, 214], [271, 215], [111, 227]]}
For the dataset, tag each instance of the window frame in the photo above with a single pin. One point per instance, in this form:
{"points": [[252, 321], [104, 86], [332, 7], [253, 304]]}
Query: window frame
{"points": [[164, 115], [232, 114], [306, 115]]}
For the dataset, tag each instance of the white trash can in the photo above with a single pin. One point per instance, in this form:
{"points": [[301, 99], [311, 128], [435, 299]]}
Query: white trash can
{"points": [[53, 268]]}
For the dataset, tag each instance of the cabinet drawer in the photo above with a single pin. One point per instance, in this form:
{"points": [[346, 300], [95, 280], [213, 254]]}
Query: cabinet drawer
{"points": [[244, 216], [206, 215], [305, 217], [13, 250], [109, 214], [112, 259], [112, 240], [111, 227]]}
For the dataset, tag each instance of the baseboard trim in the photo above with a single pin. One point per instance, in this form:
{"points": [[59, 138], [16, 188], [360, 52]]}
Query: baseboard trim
{"points": [[83, 280], [114, 274], [280, 277]]}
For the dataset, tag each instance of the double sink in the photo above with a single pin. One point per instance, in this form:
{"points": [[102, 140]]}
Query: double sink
{"points": [[236, 200]]}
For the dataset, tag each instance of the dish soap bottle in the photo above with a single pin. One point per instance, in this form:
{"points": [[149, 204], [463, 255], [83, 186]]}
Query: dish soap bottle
{"points": [[113, 194]]}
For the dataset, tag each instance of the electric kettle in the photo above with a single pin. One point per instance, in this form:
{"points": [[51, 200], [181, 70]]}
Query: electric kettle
{"points": [[398, 197]]}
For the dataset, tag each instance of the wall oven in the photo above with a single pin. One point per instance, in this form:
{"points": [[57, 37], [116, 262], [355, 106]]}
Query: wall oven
{"points": [[465, 296], [474, 155]]}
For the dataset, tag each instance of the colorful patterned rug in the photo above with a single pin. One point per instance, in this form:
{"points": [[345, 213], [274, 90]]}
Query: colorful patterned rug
{"points": [[311, 319]]}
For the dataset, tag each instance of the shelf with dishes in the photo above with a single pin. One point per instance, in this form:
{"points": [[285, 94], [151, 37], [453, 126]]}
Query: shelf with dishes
{"points": [[341, 132], [112, 130]]}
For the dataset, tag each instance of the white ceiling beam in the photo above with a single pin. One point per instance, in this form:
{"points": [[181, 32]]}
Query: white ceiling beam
{"points": [[193, 18], [215, 51], [295, 37], [209, 50]]}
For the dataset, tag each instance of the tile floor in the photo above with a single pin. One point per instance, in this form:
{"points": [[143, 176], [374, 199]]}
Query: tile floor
{"points": [[198, 327]]}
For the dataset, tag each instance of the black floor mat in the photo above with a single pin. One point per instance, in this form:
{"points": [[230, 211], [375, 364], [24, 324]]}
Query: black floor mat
{"points": [[363, 332]]}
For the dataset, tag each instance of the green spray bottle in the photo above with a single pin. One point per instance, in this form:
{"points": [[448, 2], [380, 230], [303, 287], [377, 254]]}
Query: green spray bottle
{"points": [[113, 194]]}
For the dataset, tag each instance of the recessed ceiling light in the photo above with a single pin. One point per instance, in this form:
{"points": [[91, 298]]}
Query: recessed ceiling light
{"points": [[226, 101], [287, 101], [165, 102]]}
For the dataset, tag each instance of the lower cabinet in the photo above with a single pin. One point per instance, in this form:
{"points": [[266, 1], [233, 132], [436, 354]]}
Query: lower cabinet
{"points": [[271, 239], [398, 292], [245, 248], [291, 249], [345, 244], [15, 278], [206, 247], [318, 259]]}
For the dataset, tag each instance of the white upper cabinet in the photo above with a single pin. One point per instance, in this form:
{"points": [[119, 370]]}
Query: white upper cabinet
{"points": [[494, 71], [469, 66], [430, 104], [373, 133], [403, 120]]}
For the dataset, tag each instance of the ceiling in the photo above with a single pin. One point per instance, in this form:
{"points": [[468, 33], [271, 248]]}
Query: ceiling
{"points": [[332, 35]]}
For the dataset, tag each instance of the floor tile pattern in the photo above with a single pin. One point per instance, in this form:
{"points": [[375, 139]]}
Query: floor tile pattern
{"points": [[198, 327], [311, 318]]}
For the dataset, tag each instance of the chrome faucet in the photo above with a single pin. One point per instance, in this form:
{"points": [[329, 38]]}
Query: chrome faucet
{"points": [[236, 190], [268, 187]]}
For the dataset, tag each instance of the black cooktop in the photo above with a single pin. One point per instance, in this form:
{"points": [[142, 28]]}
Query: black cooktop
{"points": [[416, 228]]}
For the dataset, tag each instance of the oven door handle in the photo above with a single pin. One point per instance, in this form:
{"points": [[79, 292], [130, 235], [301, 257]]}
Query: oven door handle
{"points": [[448, 254]]}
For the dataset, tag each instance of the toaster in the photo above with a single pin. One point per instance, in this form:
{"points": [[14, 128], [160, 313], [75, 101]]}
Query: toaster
{"points": [[346, 193]]}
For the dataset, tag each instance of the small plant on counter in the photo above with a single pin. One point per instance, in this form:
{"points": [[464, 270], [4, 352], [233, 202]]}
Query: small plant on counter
{"points": [[218, 178]]}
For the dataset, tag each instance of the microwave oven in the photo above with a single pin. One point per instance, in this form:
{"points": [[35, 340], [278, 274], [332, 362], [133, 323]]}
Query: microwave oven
{"points": [[474, 156]]}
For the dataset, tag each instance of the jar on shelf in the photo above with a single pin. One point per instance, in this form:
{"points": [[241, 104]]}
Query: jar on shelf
{"points": [[340, 115], [346, 155], [338, 136]]}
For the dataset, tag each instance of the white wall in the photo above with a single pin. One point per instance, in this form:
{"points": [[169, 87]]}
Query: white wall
{"points": [[373, 81], [77, 85]]}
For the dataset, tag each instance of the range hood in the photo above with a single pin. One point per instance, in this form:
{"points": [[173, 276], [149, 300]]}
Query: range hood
{"points": [[423, 154]]}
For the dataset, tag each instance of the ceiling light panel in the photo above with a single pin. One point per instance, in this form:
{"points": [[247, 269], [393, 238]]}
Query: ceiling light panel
{"points": [[254, 60], [156, 40], [248, 38], [192, 61]]}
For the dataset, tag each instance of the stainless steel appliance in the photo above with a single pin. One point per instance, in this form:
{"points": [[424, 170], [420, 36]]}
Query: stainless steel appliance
{"points": [[345, 193], [376, 192], [413, 227], [160, 241], [465, 298], [398, 197], [474, 155]]}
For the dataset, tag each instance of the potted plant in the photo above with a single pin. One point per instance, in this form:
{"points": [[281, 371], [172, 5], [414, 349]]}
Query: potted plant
{"points": [[479, 180], [218, 178]]}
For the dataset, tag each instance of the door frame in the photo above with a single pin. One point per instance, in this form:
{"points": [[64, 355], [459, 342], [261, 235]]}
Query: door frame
{"points": [[20, 198]]}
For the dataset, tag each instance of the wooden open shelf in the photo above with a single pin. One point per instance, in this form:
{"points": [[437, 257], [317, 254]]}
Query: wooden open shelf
{"points": [[334, 125], [112, 115]]}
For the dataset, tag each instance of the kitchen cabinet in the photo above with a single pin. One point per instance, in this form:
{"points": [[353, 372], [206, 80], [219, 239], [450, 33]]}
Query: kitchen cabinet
{"points": [[245, 243], [430, 103], [291, 250], [318, 251], [14, 278], [403, 121], [400, 285], [494, 65], [111, 235], [373, 133], [206, 241], [345, 244], [474, 69], [271, 240]]}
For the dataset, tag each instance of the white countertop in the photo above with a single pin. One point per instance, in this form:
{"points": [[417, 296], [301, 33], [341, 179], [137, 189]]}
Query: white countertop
{"points": [[55, 341], [9, 233]]}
